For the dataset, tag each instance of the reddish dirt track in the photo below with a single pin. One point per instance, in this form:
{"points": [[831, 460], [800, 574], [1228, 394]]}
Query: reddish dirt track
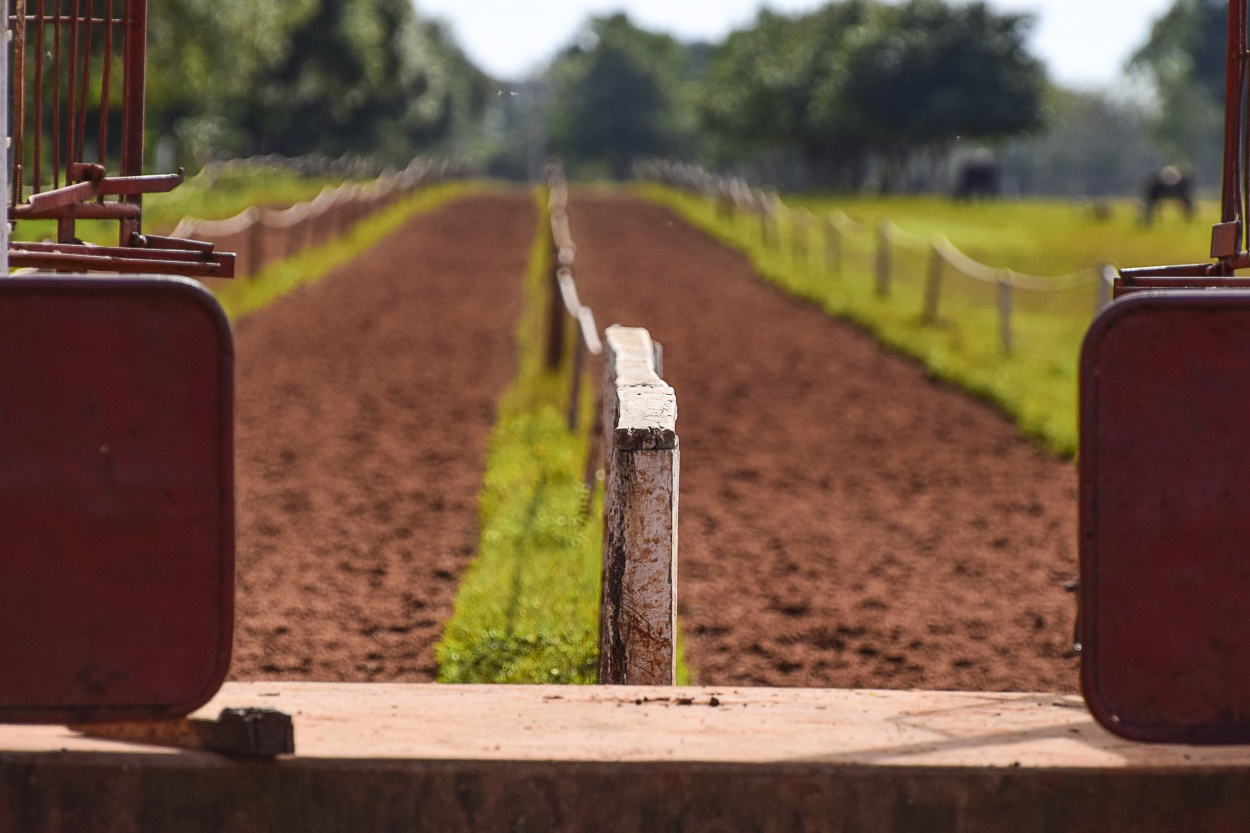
{"points": [[845, 520], [364, 403]]}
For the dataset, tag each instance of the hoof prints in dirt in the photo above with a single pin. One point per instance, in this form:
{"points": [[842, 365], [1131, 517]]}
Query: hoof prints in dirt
{"points": [[845, 520], [364, 406]]}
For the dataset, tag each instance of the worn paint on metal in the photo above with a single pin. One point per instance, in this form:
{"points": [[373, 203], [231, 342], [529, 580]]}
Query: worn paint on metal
{"points": [[116, 498], [1165, 517]]}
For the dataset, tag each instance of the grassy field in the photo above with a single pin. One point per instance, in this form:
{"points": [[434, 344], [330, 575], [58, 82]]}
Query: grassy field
{"points": [[1037, 383]]}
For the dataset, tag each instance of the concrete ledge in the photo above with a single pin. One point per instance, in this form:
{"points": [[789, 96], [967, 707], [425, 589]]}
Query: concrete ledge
{"points": [[395, 757]]}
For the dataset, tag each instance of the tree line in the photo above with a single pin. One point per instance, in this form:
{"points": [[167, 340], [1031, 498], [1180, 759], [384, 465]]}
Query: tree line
{"points": [[857, 92], [833, 91], [334, 77]]}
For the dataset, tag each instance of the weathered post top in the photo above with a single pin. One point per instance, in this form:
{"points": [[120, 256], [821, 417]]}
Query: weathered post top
{"points": [[646, 412]]}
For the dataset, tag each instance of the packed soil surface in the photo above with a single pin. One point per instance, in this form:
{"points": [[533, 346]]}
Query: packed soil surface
{"points": [[846, 521], [364, 404]]}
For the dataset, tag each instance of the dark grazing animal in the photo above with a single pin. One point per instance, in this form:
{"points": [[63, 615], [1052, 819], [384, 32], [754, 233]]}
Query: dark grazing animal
{"points": [[979, 177], [1168, 183]]}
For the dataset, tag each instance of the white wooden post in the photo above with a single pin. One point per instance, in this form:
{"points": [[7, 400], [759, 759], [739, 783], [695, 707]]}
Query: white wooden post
{"points": [[800, 223], [933, 287], [833, 246], [1106, 282], [1004, 313], [883, 259], [638, 611]]}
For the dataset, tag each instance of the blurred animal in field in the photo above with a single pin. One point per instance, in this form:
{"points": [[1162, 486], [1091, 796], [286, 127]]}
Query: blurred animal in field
{"points": [[1168, 183], [979, 177]]}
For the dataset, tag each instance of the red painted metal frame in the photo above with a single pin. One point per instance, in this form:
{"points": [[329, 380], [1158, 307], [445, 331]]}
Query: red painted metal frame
{"points": [[1165, 517], [116, 498], [81, 193]]}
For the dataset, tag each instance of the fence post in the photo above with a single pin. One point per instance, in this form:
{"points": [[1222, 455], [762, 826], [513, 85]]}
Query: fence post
{"points": [[800, 223], [638, 610], [933, 287], [883, 259], [833, 247], [555, 313], [295, 237], [256, 244], [1004, 313]]}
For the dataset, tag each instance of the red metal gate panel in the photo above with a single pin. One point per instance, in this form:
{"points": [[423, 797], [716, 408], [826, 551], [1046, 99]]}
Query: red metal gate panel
{"points": [[1165, 516], [116, 498]]}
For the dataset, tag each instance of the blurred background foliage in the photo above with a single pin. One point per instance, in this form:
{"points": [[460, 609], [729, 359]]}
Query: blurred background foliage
{"points": [[231, 78], [856, 95]]}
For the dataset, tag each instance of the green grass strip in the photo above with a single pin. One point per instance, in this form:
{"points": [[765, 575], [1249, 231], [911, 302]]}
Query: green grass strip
{"points": [[528, 608], [1037, 384], [242, 296]]}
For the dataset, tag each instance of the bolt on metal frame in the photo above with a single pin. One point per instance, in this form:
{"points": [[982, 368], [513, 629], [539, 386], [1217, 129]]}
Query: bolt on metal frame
{"points": [[68, 60]]}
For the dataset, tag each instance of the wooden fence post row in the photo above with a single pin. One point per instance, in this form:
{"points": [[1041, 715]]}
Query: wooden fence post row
{"points": [[332, 213], [944, 258], [638, 610]]}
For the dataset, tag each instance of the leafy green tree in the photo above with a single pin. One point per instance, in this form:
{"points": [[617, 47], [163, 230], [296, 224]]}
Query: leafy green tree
{"points": [[233, 77], [1184, 59], [204, 55], [780, 86], [860, 78], [928, 73], [362, 76], [616, 97]]}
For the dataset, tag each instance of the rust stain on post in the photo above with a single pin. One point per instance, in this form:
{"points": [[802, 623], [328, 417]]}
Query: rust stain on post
{"points": [[638, 614]]}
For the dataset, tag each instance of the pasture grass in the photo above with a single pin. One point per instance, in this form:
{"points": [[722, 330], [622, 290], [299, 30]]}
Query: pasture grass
{"points": [[527, 610], [1037, 383]]}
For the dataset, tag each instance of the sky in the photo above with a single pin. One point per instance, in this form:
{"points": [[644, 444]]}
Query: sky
{"points": [[1083, 42]]}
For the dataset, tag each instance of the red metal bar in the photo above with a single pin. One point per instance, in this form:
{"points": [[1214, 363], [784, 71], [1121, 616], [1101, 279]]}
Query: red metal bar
{"points": [[70, 194], [111, 186], [197, 255], [1233, 117], [71, 154], [157, 242], [221, 267], [106, 84], [81, 142], [132, 96], [39, 50], [19, 98], [56, 96], [80, 211]]}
